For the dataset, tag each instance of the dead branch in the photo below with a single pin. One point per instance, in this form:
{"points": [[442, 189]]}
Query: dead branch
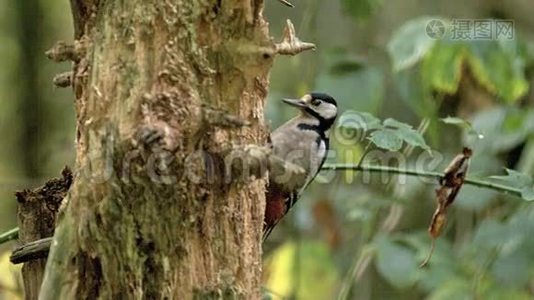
{"points": [[33, 250], [37, 213], [62, 51], [291, 44], [63, 80]]}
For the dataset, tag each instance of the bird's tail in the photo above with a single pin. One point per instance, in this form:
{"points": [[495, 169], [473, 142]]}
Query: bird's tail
{"points": [[267, 229]]}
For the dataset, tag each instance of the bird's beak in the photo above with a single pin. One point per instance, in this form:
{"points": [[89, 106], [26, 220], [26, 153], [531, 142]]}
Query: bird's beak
{"points": [[299, 103]]}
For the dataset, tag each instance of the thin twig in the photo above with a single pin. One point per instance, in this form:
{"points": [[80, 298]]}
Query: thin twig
{"points": [[427, 174], [9, 235], [286, 3], [429, 256], [366, 151], [367, 251], [13, 233]]}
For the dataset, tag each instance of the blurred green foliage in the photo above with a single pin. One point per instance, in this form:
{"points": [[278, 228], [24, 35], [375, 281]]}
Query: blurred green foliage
{"points": [[316, 268], [36, 119], [377, 59]]}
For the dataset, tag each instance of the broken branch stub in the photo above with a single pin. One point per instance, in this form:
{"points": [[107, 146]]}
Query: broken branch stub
{"points": [[37, 213], [63, 80], [62, 51], [291, 44]]}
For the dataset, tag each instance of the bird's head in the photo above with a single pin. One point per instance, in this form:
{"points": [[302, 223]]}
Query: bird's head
{"points": [[321, 106]]}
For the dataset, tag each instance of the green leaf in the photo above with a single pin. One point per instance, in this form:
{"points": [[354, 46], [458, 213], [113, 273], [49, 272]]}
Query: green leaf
{"points": [[518, 180], [413, 138], [358, 120], [515, 178], [410, 43], [387, 139], [498, 70], [498, 65], [407, 134], [442, 67], [527, 193], [396, 124], [462, 124], [396, 263], [457, 121]]}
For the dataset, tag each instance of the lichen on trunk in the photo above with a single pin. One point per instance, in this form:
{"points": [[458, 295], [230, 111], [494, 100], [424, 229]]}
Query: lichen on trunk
{"points": [[150, 213]]}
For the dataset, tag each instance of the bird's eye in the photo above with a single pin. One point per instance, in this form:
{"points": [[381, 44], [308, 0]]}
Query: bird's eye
{"points": [[315, 102]]}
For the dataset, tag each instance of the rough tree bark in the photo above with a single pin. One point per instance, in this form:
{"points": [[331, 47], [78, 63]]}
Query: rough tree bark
{"points": [[37, 210], [162, 89]]}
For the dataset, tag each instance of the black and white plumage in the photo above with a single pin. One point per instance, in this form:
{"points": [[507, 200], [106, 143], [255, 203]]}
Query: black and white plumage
{"points": [[304, 141]]}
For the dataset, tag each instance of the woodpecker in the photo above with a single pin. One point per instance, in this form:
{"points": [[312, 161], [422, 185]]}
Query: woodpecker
{"points": [[303, 141]]}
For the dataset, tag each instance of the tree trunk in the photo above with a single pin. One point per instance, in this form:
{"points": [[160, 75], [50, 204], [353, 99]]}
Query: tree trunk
{"points": [[162, 89], [36, 216]]}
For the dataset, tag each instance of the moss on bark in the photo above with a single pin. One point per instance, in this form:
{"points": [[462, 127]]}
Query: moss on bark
{"points": [[136, 225]]}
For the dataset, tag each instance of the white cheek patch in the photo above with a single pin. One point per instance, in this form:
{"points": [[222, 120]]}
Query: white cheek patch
{"points": [[328, 110]]}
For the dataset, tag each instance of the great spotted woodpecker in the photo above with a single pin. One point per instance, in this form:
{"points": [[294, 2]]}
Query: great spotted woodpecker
{"points": [[303, 141]]}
